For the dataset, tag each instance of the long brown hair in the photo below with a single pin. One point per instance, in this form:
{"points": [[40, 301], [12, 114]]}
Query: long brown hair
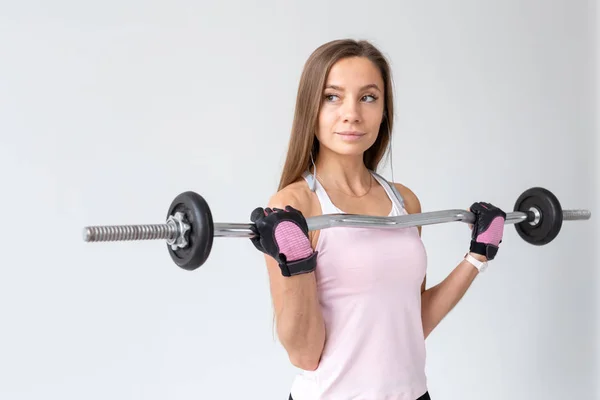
{"points": [[303, 140]]}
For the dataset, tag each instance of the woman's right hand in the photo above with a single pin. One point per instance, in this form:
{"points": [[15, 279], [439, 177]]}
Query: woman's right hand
{"points": [[283, 234]]}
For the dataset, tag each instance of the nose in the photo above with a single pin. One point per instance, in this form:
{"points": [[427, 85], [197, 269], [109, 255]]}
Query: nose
{"points": [[350, 112]]}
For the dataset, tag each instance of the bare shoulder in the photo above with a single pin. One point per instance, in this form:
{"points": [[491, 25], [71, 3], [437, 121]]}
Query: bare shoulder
{"points": [[297, 195], [411, 201]]}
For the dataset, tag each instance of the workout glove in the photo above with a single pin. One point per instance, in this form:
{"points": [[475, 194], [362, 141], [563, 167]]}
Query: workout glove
{"points": [[283, 234], [487, 229]]}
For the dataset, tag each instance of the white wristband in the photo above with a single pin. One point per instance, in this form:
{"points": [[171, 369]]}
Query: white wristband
{"points": [[480, 265]]}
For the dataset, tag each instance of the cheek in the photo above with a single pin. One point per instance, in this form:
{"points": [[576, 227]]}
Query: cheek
{"points": [[374, 115], [327, 120], [326, 116]]}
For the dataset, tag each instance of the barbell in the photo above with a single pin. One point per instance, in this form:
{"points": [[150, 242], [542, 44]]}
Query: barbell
{"points": [[189, 230]]}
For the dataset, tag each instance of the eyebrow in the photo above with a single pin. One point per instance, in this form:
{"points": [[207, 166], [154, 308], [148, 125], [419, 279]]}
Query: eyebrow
{"points": [[369, 86]]}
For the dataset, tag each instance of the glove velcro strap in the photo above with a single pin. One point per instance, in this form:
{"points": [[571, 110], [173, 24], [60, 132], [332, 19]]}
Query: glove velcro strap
{"points": [[298, 267], [484, 249]]}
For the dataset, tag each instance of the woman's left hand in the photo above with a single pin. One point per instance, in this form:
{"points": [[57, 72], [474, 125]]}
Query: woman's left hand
{"points": [[487, 230]]}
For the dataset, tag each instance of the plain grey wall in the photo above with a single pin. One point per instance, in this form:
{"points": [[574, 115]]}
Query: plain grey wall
{"points": [[110, 109]]}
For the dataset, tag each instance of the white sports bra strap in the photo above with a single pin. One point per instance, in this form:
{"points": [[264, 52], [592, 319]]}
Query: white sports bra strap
{"points": [[327, 205], [391, 190]]}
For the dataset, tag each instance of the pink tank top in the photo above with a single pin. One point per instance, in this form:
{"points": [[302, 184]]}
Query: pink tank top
{"points": [[369, 284]]}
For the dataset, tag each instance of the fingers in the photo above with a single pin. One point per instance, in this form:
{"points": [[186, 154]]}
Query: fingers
{"points": [[292, 209], [257, 213], [260, 212], [483, 205], [285, 209]]}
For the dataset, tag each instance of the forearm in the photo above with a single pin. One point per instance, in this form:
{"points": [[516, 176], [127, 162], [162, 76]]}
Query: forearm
{"points": [[300, 324], [439, 300]]}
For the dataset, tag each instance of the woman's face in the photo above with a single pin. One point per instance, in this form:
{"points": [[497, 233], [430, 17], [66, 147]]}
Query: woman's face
{"points": [[352, 107]]}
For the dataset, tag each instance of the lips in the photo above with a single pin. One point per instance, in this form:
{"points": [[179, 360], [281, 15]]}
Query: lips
{"points": [[351, 133]]}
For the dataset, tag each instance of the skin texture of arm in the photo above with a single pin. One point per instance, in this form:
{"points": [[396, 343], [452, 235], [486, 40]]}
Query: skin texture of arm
{"points": [[439, 300], [298, 317]]}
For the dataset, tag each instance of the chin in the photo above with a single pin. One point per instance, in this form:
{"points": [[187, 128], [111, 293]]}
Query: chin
{"points": [[345, 149], [353, 151], [351, 147]]}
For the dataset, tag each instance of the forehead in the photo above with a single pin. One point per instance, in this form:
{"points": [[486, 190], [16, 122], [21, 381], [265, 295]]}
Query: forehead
{"points": [[354, 72]]}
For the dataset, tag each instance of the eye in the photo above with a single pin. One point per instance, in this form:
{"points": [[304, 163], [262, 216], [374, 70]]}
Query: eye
{"points": [[371, 97], [330, 97]]}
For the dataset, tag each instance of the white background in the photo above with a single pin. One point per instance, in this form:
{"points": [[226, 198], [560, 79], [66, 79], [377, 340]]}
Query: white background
{"points": [[110, 109]]}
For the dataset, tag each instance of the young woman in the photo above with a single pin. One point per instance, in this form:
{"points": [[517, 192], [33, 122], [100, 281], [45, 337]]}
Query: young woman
{"points": [[351, 305]]}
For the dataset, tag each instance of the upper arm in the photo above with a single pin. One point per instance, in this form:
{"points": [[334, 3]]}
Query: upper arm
{"points": [[412, 205]]}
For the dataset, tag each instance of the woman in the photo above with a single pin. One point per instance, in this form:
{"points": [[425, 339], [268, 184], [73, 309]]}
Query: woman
{"points": [[350, 304]]}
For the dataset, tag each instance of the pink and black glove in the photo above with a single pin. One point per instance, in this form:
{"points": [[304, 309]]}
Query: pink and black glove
{"points": [[488, 229], [283, 234]]}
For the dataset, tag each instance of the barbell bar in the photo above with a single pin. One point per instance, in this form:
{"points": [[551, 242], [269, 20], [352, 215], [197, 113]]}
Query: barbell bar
{"points": [[189, 229]]}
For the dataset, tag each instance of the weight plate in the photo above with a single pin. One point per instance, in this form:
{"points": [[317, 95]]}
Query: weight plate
{"points": [[201, 234], [551, 217]]}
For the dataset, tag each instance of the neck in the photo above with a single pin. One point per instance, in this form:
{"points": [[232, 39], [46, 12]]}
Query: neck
{"points": [[340, 172]]}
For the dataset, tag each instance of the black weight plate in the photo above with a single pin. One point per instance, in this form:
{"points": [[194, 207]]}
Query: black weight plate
{"points": [[201, 234], [551, 217]]}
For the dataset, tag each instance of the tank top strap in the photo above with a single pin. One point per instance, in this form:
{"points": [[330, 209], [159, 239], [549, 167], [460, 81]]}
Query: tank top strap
{"points": [[392, 192], [327, 206]]}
